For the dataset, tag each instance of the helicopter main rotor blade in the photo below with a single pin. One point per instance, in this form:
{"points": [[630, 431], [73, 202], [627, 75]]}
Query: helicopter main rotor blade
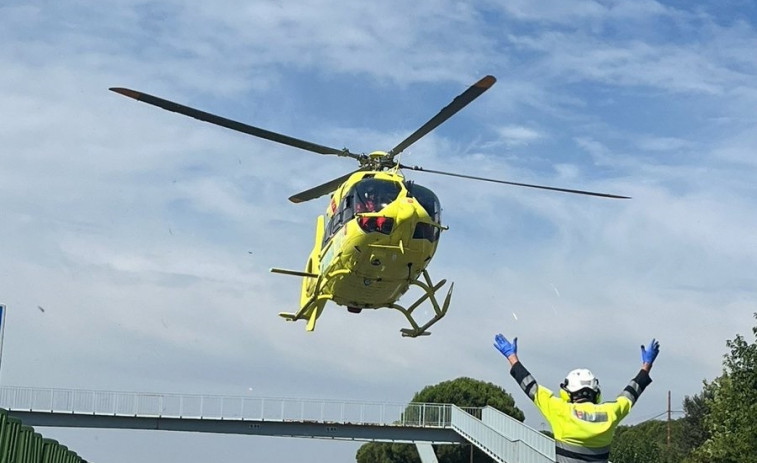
{"points": [[528, 185], [230, 124], [461, 101], [320, 190]]}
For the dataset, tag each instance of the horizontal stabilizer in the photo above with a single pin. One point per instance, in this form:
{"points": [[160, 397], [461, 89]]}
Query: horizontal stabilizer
{"points": [[294, 273], [290, 317]]}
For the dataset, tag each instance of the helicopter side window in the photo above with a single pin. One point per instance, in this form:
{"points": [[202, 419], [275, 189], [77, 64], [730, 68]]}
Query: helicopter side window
{"points": [[347, 208], [426, 231], [327, 231], [342, 215], [336, 223], [429, 202], [372, 195], [330, 228]]}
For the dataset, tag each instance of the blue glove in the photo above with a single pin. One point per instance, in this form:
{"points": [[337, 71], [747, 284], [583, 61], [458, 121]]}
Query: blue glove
{"points": [[649, 354], [506, 347]]}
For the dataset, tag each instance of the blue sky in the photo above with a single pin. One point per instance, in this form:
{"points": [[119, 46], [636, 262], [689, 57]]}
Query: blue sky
{"points": [[147, 236]]}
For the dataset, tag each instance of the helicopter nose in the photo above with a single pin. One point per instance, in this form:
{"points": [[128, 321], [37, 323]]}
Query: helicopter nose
{"points": [[406, 213]]}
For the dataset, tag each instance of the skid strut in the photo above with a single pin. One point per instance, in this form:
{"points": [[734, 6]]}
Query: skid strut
{"points": [[313, 306], [312, 309], [430, 293]]}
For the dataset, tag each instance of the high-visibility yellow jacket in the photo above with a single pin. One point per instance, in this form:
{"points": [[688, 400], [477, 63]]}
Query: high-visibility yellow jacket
{"points": [[583, 431]]}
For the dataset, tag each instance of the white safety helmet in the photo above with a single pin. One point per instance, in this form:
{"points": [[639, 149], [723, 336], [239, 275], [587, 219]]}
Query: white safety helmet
{"points": [[580, 384]]}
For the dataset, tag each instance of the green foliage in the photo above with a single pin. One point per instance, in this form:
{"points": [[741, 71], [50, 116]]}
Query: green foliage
{"points": [[387, 453], [468, 392], [648, 442], [463, 392], [636, 443], [732, 407], [693, 430], [719, 425]]}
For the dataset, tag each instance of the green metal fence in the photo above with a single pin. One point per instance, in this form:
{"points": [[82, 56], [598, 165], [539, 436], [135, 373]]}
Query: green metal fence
{"points": [[21, 444]]}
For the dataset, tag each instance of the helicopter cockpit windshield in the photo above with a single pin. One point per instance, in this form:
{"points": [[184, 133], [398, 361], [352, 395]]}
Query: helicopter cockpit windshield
{"points": [[428, 200], [372, 195]]}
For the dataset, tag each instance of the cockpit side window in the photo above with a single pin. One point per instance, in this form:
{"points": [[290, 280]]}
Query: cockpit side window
{"points": [[428, 200]]}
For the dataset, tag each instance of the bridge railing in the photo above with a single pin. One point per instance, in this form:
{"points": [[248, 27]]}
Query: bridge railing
{"points": [[225, 407]]}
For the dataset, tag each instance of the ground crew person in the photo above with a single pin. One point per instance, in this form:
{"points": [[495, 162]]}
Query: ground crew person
{"points": [[583, 426]]}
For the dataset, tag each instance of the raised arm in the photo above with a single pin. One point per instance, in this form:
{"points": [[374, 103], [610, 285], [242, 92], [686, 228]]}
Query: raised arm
{"points": [[508, 349], [524, 379], [649, 354], [637, 385]]}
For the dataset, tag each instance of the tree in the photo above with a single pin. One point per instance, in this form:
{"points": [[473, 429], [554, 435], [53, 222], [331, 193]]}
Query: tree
{"points": [[387, 453], [693, 430], [718, 426], [732, 407], [640, 443], [648, 442], [463, 392]]}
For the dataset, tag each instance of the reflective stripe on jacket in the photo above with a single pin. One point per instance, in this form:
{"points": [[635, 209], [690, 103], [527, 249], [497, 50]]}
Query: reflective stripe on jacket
{"points": [[583, 431]]}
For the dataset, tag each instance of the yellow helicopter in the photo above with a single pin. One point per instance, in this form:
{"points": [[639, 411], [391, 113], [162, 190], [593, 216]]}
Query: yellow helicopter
{"points": [[379, 232]]}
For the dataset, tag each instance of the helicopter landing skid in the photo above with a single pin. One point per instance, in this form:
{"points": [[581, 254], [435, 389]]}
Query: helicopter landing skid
{"points": [[313, 305], [310, 312], [430, 293]]}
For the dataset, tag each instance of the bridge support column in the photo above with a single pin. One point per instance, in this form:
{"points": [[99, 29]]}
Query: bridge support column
{"points": [[426, 452]]}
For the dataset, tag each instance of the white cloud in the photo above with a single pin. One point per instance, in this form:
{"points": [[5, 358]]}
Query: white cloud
{"points": [[514, 135]]}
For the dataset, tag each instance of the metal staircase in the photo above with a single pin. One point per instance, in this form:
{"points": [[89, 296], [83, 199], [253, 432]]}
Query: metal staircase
{"points": [[503, 438]]}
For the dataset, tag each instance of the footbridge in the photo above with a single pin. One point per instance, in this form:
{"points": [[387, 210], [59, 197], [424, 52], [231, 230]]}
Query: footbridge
{"points": [[503, 438]]}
